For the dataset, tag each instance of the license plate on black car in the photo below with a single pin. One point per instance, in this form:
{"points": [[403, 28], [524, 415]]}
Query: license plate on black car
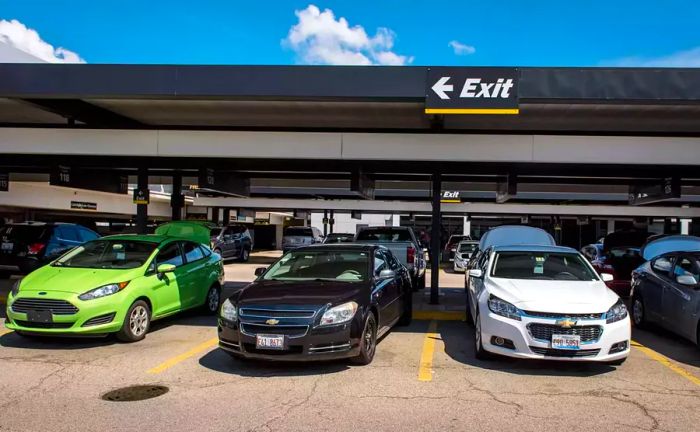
{"points": [[7, 247], [40, 316], [274, 342]]}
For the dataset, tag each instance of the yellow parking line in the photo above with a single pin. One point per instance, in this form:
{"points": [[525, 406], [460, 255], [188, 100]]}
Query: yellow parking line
{"points": [[425, 370], [184, 356], [666, 362], [3, 298], [5, 331], [439, 315]]}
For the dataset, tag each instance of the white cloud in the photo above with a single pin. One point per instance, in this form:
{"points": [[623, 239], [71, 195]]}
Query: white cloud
{"points": [[687, 58], [461, 49], [18, 35], [319, 38]]}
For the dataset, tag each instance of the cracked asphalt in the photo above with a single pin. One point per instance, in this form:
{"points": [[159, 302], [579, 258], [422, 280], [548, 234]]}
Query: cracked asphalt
{"points": [[50, 384]]}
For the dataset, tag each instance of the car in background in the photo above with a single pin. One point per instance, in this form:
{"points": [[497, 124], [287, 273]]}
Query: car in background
{"points": [[545, 302], [232, 241], [119, 284], [666, 288], [339, 238], [463, 254], [450, 248], [620, 256], [318, 302], [26, 246], [402, 242], [592, 251], [294, 237]]}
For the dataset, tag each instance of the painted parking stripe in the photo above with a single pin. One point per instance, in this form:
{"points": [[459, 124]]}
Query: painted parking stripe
{"points": [[5, 331], [425, 369], [667, 362], [184, 356]]}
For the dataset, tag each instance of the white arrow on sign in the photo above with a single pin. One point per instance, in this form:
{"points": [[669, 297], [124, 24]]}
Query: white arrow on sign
{"points": [[441, 86]]}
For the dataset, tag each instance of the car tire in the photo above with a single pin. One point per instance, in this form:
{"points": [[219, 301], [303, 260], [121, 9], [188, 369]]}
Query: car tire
{"points": [[245, 255], [407, 314], [368, 342], [137, 322], [212, 301], [420, 282], [479, 352], [639, 318]]}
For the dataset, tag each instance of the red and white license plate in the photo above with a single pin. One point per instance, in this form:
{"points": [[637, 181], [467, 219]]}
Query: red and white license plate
{"points": [[269, 342], [570, 342]]}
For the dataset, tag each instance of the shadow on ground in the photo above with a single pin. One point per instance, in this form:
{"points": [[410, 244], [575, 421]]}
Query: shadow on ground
{"points": [[668, 344]]}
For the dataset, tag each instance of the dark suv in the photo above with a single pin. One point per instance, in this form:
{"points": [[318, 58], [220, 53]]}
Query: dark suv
{"points": [[233, 241], [29, 245]]}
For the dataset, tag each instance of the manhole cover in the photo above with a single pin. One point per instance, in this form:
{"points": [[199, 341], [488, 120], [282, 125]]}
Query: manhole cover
{"points": [[135, 393]]}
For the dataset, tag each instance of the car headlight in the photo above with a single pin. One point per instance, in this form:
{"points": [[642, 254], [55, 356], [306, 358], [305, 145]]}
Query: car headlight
{"points": [[15, 288], [503, 308], [339, 314], [617, 312], [103, 291], [229, 311]]}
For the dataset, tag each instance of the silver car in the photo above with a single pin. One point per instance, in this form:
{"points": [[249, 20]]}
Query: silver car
{"points": [[463, 253], [666, 288]]}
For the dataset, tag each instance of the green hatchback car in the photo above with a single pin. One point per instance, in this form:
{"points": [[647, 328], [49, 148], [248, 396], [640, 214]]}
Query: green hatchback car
{"points": [[119, 284]]}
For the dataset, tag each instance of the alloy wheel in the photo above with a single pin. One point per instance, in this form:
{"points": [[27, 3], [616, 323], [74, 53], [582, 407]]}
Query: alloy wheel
{"points": [[637, 311], [138, 321], [477, 332], [369, 339], [213, 299]]}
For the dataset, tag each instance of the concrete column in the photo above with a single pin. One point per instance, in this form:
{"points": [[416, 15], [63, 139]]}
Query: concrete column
{"points": [[467, 226], [177, 200], [435, 241], [611, 226], [142, 209]]}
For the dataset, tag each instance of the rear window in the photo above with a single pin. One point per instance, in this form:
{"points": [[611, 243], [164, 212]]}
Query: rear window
{"points": [[24, 233], [304, 232], [384, 235], [467, 247], [456, 239]]}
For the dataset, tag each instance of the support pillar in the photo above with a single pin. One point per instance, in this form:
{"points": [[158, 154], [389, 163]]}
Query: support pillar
{"points": [[325, 223], [227, 216], [142, 209], [330, 228], [435, 241], [177, 200]]}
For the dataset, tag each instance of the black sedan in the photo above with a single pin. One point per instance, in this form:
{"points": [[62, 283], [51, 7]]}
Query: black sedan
{"points": [[318, 302]]}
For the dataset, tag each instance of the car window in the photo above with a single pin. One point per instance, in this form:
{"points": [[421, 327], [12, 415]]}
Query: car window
{"points": [[67, 233], [87, 235], [687, 267], [170, 254], [384, 235], [298, 231], [379, 262], [205, 250], [192, 252]]}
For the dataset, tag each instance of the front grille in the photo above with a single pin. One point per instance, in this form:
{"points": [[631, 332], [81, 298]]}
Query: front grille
{"points": [[29, 324], [57, 307], [549, 352], [286, 330], [586, 316], [276, 313], [102, 319], [545, 331]]}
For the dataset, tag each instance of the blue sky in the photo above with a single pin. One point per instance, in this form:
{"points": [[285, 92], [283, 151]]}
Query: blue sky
{"points": [[417, 32]]}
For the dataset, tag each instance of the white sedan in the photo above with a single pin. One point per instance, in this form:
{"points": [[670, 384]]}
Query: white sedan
{"points": [[545, 302]]}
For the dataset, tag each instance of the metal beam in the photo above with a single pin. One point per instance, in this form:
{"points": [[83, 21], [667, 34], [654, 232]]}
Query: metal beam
{"points": [[81, 111]]}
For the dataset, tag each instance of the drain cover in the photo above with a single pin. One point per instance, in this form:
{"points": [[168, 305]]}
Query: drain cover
{"points": [[135, 393]]}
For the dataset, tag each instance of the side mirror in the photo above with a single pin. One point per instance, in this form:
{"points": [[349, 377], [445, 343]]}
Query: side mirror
{"points": [[686, 280], [607, 277], [386, 274], [260, 270], [476, 273], [165, 268]]}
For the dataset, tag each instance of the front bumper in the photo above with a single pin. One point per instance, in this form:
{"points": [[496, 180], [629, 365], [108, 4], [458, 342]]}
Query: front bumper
{"points": [[528, 347], [319, 343]]}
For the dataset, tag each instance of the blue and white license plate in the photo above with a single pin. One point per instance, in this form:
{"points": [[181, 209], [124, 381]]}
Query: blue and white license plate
{"points": [[6, 246], [568, 342], [269, 342]]}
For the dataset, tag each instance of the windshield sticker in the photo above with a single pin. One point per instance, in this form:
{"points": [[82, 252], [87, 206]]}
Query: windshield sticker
{"points": [[121, 256]]}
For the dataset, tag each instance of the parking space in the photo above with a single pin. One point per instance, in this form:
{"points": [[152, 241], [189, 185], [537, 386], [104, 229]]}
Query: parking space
{"points": [[424, 377]]}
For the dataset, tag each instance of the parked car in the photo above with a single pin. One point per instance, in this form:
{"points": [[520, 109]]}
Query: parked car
{"points": [[592, 251], [339, 238], [463, 254], [24, 247], [232, 241], [450, 248], [119, 284], [620, 257], [403, 244], [318, 302], [294, 237], [665, 289]]}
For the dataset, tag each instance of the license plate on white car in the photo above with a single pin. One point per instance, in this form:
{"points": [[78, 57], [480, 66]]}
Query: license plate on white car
{"points": [[7, 247], [570, 342], [269, 342]]}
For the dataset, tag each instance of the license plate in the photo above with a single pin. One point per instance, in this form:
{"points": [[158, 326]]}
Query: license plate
{"points": [[39, 316], [7, 247], [269, 342], [570, 342]]}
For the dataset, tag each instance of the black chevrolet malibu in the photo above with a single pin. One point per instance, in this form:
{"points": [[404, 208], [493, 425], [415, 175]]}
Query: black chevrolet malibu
{"points": [[318, 303]]}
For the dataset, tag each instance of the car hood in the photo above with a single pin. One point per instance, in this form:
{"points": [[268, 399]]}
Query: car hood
{"points": [[307, 293], [75, 280], [555, 296], [664, 245]]}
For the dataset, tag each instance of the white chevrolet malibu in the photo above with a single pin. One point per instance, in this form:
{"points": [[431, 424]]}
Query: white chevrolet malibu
{"points": [[545, 302]]}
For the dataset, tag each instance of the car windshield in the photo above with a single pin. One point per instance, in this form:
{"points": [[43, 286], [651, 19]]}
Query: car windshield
{"points": [[337, 265], [467, 247], [384, 235], [624, 252], [108, 254], [301, 232], [542, 265]]}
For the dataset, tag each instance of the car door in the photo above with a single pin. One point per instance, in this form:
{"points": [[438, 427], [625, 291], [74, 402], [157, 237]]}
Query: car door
{"points": [[653, 284], [679, 300], [167, 290], [195, 269], [385, 291]]}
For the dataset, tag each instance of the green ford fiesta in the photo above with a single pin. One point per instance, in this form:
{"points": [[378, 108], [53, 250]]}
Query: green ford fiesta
{"points": [[119, 284]]}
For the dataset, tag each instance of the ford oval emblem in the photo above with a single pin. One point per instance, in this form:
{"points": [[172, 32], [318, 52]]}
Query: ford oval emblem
{"points": [[42, 293]]}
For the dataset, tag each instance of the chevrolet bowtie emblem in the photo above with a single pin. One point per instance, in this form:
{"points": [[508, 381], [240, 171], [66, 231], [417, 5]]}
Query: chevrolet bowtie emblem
{"points": [[566, 323], [272, 322]]}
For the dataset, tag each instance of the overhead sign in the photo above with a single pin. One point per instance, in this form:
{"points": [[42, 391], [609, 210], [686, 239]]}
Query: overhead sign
{"points": [[4, 181], [467, 90], [60, 176], [450, 197], [669, 188], [83, 205], [223, 183], [142, 196]]}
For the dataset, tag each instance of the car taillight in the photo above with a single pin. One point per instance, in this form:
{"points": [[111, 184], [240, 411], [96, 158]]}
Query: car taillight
{"points": [[410, 254], [35, 248]]}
